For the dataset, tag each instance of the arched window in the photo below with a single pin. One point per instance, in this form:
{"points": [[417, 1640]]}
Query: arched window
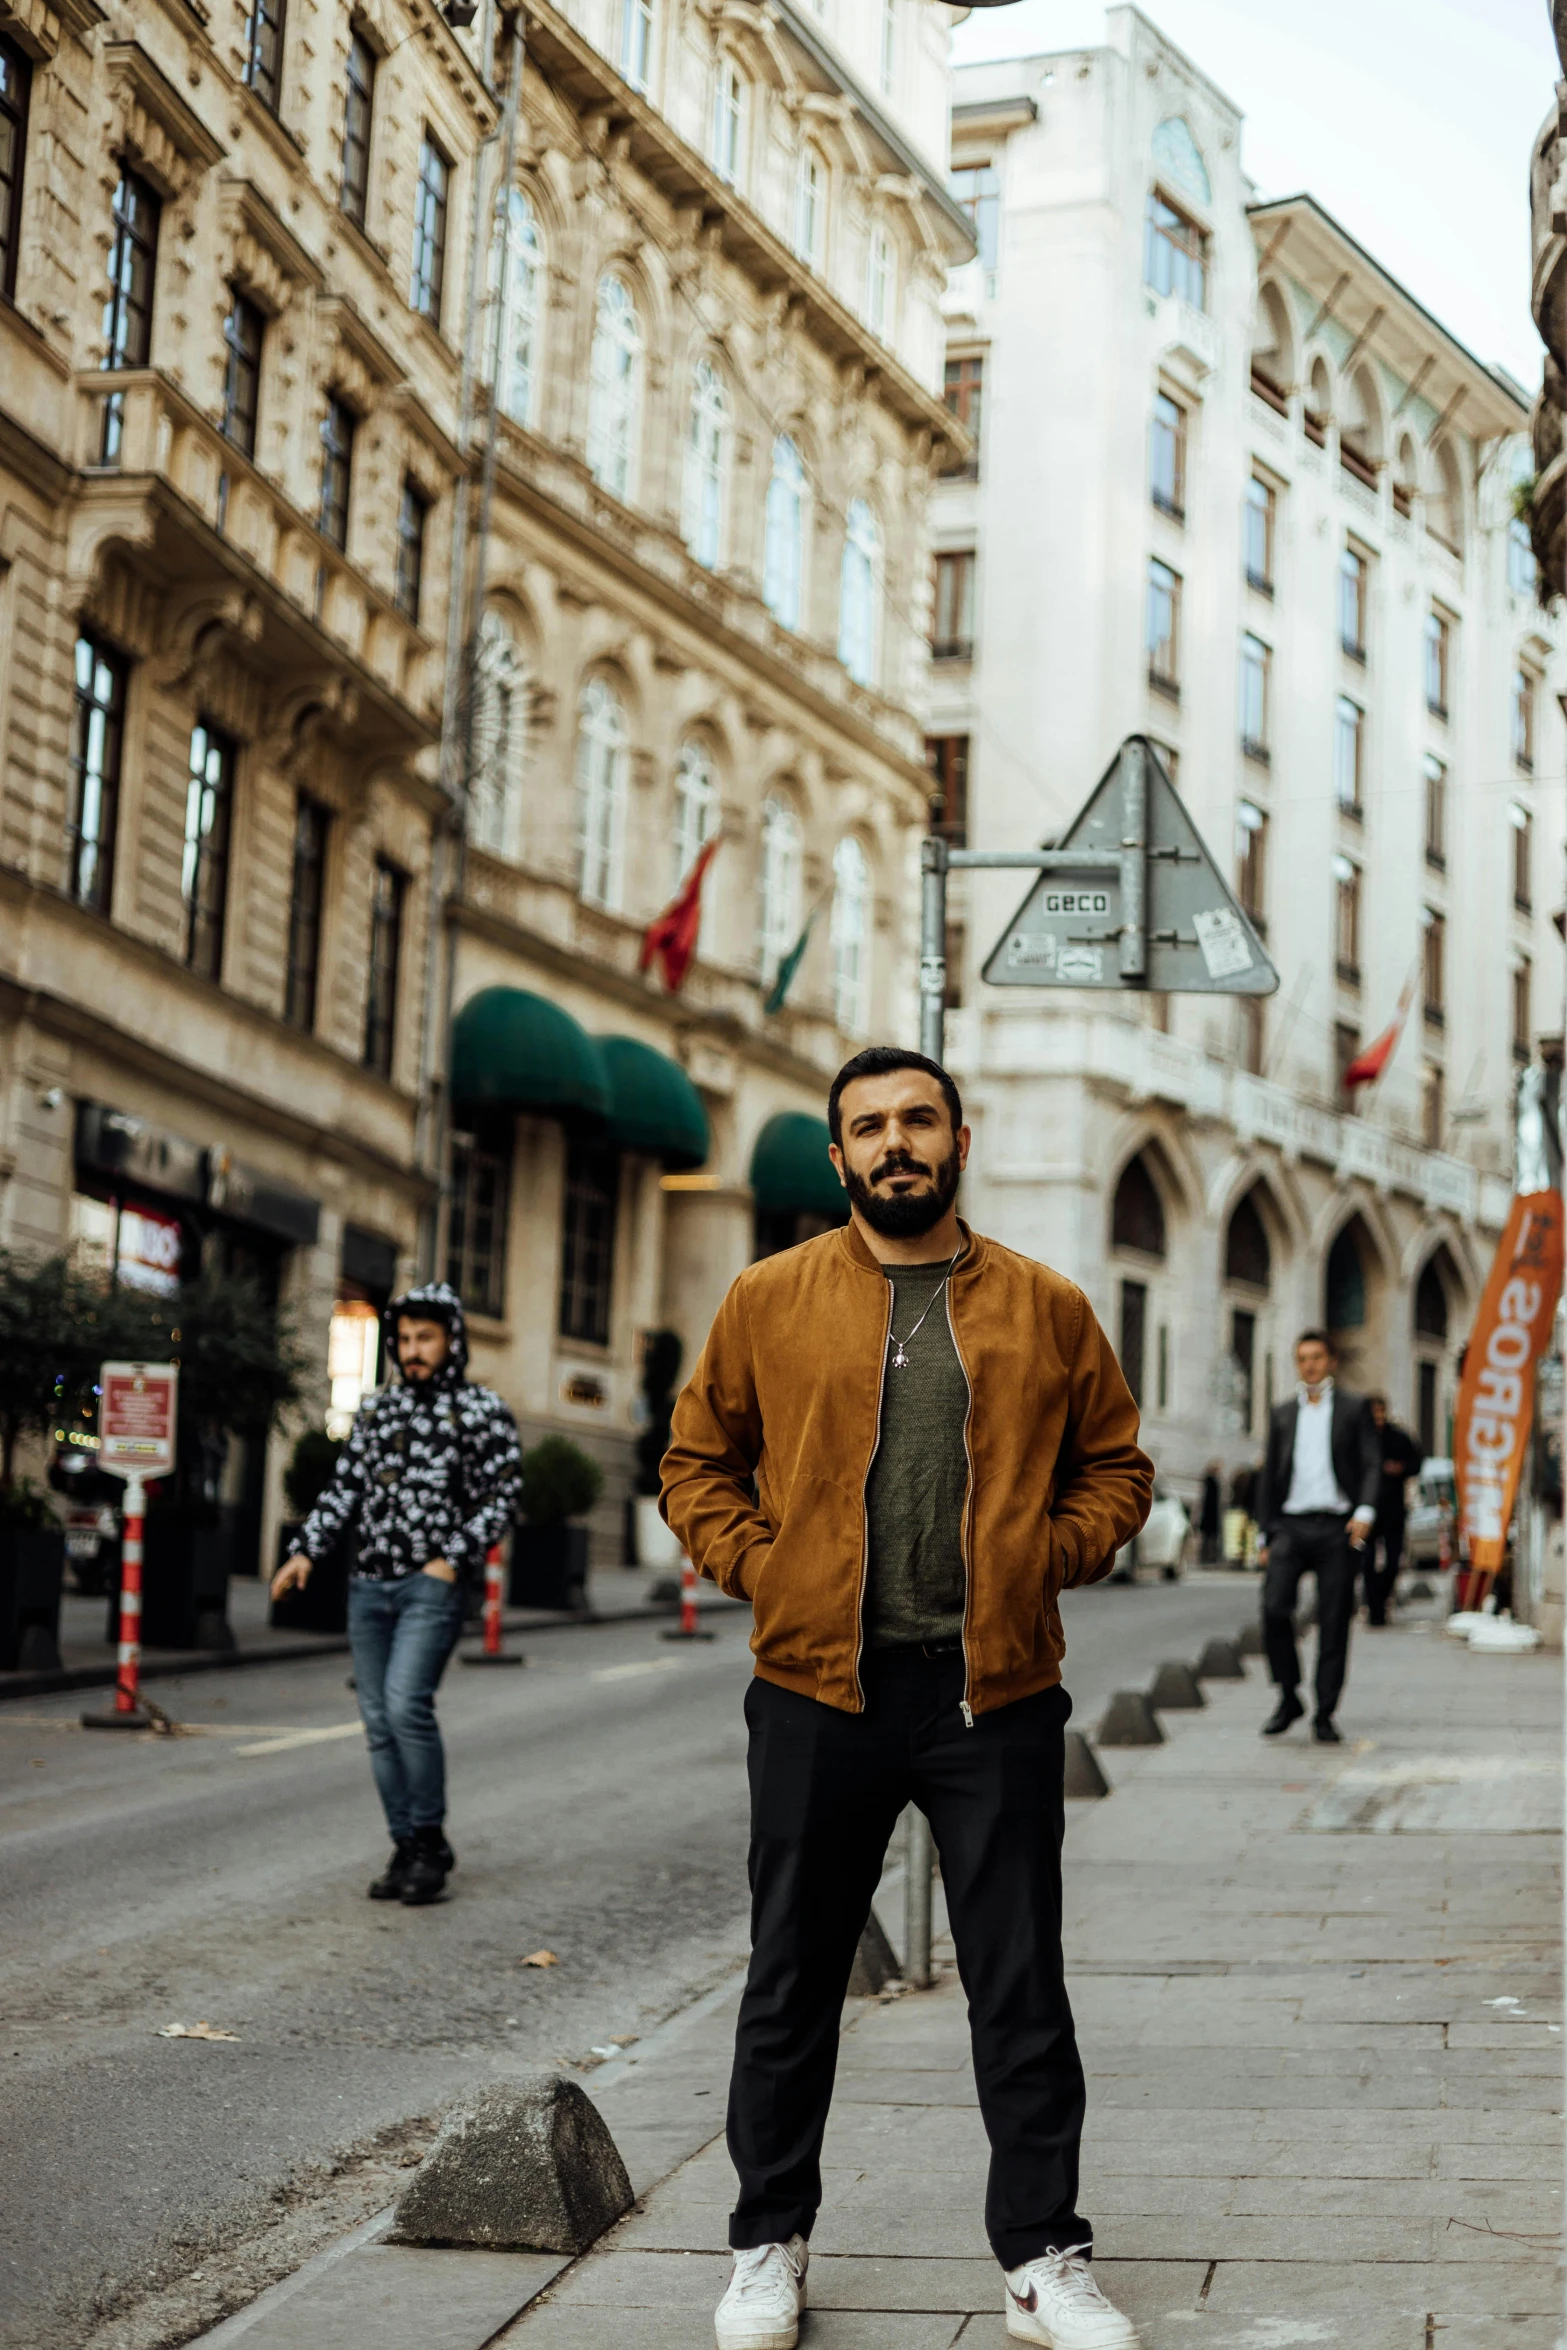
{"points": [[1178, 160], [1445, 505], [881, 284], [1431, 1302], [1272, 350], [1247, 1254], [851, 944], [1346, 1283], [512, 354], [1360, 430], [499, 739], [810, 207], [707, 465], [859, 593], [728, 121], [783, 557], [1406, 478], [615, 390], [601, 792], [781, 877], [696, 807], [1137, 1218]]}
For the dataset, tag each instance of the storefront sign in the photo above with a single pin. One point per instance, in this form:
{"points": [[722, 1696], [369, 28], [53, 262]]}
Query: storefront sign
{"points": [[1496, 1397], [148, 1251], [137, 1404]]}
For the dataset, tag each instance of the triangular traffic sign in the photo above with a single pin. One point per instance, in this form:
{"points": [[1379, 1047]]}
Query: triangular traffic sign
{"points": [[1067, 931]]}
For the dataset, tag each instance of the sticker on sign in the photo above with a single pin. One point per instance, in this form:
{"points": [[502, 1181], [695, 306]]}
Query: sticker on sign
{"points": [[137, 1405], [1224, 944]]}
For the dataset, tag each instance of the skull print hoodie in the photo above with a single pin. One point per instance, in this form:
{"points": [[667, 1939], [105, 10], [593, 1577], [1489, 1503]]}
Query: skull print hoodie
{"points": [[432, 1468]]}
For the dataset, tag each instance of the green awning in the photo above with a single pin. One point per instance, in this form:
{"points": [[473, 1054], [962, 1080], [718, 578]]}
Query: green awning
{"points": [[791, 1173], [654, 1107], [515, 1051]]}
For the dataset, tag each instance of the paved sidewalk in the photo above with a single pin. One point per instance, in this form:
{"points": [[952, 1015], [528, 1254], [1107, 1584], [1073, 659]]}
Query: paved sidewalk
{"points": [[1319, 1998]]}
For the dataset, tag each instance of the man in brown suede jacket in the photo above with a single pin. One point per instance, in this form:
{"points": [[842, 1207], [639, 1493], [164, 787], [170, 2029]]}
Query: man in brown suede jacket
{"points": [[900, 1443]]}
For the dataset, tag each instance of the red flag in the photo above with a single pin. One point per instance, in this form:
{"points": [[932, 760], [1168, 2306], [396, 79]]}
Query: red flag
{"points": [[1368, 1066], [672, 937]]}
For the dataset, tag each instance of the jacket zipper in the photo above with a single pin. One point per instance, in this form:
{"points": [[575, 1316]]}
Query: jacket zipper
{"points": [[865, 1507], [964, 1705]]}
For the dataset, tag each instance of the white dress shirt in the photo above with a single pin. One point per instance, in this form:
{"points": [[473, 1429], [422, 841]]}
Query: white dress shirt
{"points": [[1314, 1485]]}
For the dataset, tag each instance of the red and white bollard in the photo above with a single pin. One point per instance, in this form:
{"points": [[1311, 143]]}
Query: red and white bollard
{"points": [[687, 1628], [493, 1653], [129, 1713]]}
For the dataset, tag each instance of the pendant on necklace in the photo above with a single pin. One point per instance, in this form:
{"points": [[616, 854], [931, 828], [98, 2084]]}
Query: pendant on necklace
{"points": [[900, 1360]]}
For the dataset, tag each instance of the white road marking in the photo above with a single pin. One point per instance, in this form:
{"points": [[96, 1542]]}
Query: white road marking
{"points": [[303, 1738], [650, 1664]]}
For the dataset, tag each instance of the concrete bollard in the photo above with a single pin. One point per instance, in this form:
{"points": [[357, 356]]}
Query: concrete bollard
{"points": [[1250, 1641], [1421, 1588], [875, 1962], [1085, 1781], [1175, 1689], [1129, 1721], [1220, 1661], [527, 2166]]}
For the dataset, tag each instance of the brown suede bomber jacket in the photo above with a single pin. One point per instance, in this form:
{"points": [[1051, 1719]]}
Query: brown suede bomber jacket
{"points": [[788, 1392]]}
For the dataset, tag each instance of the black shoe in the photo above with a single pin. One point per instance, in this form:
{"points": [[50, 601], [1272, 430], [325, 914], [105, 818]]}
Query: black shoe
{"points": [[432, 1863], [1289, 1709], [1324, 1733], [389, 1884]]}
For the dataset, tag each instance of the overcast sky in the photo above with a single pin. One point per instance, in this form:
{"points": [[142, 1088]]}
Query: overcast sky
{"points": [[1411, 120]]}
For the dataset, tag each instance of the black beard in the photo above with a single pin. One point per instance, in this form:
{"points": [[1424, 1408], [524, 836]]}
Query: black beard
{"points": [[905, 1215]]}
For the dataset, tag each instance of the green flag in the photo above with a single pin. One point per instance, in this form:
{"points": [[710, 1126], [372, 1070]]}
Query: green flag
{"points": [[789, 966]]}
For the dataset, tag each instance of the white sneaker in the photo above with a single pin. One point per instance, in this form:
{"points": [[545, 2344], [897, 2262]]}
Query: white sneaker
{"points": [[1056, 2300], [761, 2310]]}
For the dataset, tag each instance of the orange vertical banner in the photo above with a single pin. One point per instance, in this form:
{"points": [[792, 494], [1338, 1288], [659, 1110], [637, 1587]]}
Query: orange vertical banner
{"points": [[1496, 1395]]}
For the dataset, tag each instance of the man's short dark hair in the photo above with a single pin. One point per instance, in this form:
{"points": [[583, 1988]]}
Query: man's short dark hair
{"points": [[1317, 1338], [880, 1060]]}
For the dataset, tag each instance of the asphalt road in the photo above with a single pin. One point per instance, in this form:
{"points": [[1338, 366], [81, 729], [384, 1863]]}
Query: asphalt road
{"points": [[597, 1803]]}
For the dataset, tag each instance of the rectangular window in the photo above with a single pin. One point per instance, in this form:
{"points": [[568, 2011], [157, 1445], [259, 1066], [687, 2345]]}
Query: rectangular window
{"points": [[1349, 747], [264, 51], [1435, 775], [429, 261], [307, 893], [889, 47], [1251, 861], [386, 946], [946, 755], [209, 807], [1346, 920], [1256, 681], [1433, 1107], [728, 121], [636, 42], [337, 465], [977, 187], [1522, 1019], [16, 77], [1439, 646], [1164, 630], [476, 1226], [1134, 1336], [242, 332], [127, 314], [1523, 721], [1523, 857], [97, 739], [1433, 964], [412, 511], [1175, 253], [1353, 572], [1167, 456], [1243, 1354], [965, 392], [358, 109], [1262, 506], [587, 1265], [952, 636]]}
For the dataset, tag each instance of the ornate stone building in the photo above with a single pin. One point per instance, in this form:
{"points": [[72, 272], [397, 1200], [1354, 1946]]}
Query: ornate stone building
{"points": [[251, 256]]}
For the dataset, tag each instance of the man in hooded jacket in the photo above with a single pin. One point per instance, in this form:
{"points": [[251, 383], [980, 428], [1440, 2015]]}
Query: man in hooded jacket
{"points": [[429, 1478]]}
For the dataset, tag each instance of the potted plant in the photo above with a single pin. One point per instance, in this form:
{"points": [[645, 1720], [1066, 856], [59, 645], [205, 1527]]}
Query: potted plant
{"points": [[50, 1345], [549, 1555], [323, 1604], [656, 1547]]}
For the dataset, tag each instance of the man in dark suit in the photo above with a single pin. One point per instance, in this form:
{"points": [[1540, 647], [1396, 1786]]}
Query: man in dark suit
{"points": [[1401, 1458], [1316, 1506]]}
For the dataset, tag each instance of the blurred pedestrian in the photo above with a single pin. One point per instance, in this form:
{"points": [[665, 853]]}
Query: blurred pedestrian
{"points": [[1383, 1554], [941, 1440], [1316, 1506], [1209, 1515], [429, 1478]]}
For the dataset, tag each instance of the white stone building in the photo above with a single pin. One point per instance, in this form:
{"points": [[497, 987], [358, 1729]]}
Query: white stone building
{"points": [[1237, 491]]}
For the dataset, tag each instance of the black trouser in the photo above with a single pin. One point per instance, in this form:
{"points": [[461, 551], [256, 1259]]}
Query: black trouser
{"points": [[1316, 1543], [1378, 1581], [826, 1790]]}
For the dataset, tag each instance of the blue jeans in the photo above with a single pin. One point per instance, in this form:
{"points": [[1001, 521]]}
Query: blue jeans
{"points": [[401, 1635]]}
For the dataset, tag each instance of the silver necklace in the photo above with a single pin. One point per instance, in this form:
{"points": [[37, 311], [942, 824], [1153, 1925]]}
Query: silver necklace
{"points": [[900, 1360]]}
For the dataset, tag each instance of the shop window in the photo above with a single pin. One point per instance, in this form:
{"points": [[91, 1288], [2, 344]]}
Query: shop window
{"points": [[476, 1220], [587, 1269], [386, 946], [209, 808], [1133, 1348], [306, 900]]}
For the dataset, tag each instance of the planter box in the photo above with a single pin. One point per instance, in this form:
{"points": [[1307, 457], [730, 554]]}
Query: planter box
{"points": [[323, 1604], [32, 1570], [185, 1585], [549, 1567]]}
